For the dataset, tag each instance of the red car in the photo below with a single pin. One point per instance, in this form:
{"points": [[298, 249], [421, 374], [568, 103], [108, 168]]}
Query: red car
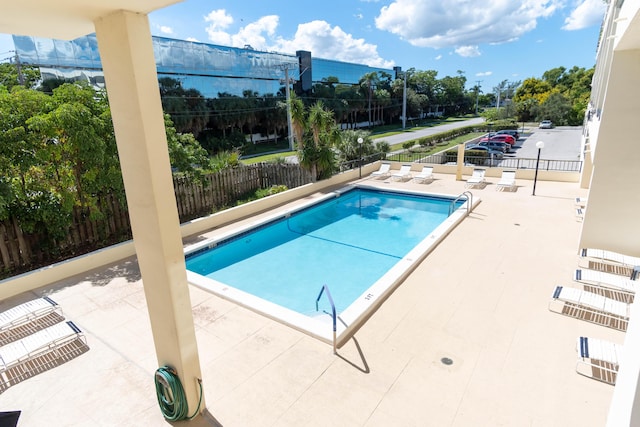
{"points": [[500, 138]]}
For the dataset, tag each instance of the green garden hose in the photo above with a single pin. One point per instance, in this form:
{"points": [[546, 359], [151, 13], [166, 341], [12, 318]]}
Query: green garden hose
{"points": [[171, 397]]}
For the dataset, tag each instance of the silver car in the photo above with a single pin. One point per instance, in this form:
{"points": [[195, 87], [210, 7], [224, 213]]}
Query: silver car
{"points": [[546, 124]]}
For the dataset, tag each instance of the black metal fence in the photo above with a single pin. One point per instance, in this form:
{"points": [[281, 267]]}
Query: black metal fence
{"points": [[506, 163]]}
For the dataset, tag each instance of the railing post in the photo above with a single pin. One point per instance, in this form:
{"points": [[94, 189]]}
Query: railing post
{"points": [[334, 316]]}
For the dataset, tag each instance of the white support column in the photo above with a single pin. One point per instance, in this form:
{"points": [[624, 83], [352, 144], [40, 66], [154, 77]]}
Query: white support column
{"points": [[126, 50]]}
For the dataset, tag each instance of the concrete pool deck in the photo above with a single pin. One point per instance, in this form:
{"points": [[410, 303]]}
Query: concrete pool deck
{"points": [[479, 300]]}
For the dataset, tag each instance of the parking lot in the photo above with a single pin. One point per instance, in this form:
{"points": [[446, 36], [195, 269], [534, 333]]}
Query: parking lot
{"points": [[560, 143]]}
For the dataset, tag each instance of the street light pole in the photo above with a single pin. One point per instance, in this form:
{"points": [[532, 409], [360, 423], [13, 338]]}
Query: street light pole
{"points": [[540, 146], [360, 141]]}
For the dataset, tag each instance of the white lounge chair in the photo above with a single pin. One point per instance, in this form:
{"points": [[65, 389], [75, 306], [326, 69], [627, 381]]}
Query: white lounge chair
{"points": [[508, 180], [39, 352], [425, 175], [403, 173], [581, 202], [611, 280], [610, 256], [610, 285], [580, 214], [598, 359], [590, 307], [383, 172], [27, 318], [476, 179]]}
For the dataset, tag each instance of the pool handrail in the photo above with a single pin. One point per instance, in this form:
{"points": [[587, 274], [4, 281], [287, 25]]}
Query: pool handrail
{"points": [[468, 195], [333, 315]]}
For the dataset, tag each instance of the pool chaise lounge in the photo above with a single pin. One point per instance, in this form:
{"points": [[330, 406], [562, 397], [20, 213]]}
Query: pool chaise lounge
{"points": [[39, 352], [602, 279], [383, 172], [507, 181], [425, 175], [27, 318], [476, 179], [598, 359], [403, 173], [590, 307], [610, 257], [581, 202]]}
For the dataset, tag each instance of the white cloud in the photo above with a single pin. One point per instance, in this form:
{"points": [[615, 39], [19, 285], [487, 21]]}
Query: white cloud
{"points": [[325, 41], [219, 21], [586, 14], [459, 23], [319, 37], [438, 58], [192, 39], [468, 51], [166, 30], [484, 74], [257, 34]]}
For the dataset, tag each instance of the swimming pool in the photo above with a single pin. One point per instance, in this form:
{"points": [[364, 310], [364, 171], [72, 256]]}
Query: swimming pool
{"points": [[360, 242]]}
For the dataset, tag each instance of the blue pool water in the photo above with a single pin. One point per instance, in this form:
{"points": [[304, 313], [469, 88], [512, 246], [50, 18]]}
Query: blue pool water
{"points": [[347, 243]]}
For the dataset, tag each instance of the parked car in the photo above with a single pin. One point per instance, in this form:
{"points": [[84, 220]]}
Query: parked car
{"points": [[514, 133], [495, 145], [500, 138], [499, 155], [546, 124]]}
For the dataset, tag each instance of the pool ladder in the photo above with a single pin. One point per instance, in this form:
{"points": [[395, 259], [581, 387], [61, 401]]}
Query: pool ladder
{"points": [[333, 315], [462, 195]]}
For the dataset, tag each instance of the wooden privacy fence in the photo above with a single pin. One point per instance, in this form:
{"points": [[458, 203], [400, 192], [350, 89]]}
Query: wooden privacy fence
{"points": [[21, 251], [223, 189]]}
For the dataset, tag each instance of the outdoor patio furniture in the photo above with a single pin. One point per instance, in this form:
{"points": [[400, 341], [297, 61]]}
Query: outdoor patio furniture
{"points": [[507, 181], [40, 352], [383, 172], [425, 175], [590, 307], [476, 179], [403, 173], [598, 359], [27, 318], [610, 256]]}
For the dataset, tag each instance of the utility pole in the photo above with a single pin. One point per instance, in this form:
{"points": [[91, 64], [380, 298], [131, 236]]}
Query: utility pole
{"points": [[287, 91], [19, 69], [288, 95]]}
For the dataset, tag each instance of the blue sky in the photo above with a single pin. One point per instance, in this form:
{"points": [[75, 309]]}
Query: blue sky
{"points": [[489, 40]]}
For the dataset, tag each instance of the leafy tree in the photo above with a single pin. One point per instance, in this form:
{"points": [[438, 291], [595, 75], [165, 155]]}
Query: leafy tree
{"points": [[58, 152], [10, 76], [185, 153], [555, 108]]}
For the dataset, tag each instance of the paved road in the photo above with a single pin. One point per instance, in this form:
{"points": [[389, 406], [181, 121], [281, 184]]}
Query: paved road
{"points": [[406, 136]]}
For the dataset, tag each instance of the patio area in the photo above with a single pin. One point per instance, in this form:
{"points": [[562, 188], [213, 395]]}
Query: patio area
{"points": [[466, 340]]}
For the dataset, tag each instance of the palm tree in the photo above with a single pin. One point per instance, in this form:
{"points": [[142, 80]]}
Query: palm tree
{"points": [[298, 120], [317, 154], [368, 81]]}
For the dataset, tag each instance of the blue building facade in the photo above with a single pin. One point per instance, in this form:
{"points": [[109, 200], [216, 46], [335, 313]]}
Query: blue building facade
{"points": [[210, 69]]}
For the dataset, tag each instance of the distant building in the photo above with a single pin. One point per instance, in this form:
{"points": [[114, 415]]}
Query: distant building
{"points": [[211, 69]]}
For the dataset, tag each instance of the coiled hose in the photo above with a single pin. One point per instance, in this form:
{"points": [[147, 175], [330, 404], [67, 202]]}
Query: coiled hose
{"points": [[171, 397]]}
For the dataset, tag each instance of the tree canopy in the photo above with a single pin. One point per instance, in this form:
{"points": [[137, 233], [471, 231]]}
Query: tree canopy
{"points": [[58, 152]]}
